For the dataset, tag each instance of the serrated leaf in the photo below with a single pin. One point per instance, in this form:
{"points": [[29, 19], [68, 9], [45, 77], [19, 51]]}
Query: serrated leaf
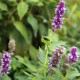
{"points": [[22, 9], [71, 74], [34, 23], [56, 77], [3, 6], [22, 29], [24, 61], [58, 72], [13, 64]]}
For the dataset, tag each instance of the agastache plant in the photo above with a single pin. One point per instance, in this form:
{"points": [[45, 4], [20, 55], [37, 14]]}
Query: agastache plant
{"points": [[59, 12], [5, 63], [72, 57]]}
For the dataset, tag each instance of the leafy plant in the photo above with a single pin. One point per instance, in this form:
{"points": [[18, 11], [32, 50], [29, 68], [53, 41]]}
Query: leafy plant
{"points": [[28, 22]]}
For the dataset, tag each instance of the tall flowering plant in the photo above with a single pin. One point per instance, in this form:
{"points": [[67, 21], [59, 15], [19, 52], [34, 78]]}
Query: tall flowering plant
{"points": [[72, 57], [57, 57]]}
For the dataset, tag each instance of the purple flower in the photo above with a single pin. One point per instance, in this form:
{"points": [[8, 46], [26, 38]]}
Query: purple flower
{"points": [[5, 63], [56, 57], [73, 54], [60, 9], [59, 12]]}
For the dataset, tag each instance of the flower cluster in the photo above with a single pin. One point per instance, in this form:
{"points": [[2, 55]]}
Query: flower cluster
{"points": [[56, 57], [59, 11], [5, 63], [73, 54]]}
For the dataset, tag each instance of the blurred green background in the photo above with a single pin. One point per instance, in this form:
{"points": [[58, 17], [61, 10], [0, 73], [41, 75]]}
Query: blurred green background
{"points": [[26, 21]]}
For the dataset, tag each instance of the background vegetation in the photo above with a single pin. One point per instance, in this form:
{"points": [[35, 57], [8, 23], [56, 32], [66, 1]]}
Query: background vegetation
{"points": [[26, 21]]}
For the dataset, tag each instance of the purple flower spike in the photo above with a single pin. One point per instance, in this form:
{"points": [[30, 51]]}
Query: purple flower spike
{"points": [[73, 55], [56, 57], [60, 9], [5, 62], [59, 12]]}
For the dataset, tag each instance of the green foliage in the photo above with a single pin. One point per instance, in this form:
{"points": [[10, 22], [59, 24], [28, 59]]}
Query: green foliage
{"points": [[22, 9], [41, 55], [23, 31], [3, 6], [71, 74], [34, 23], [28, 23]]}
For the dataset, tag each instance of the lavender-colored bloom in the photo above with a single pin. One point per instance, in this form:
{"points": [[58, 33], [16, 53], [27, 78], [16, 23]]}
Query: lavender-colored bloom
{"points": [[60, 9], [5, 63], [73, 55], [59, 12], [56, 57]]}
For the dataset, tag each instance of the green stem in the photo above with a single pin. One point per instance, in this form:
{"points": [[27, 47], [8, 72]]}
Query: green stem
{"points": [[45, 62]]}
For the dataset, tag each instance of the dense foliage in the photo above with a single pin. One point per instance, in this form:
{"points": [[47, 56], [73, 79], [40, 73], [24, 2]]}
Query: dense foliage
{"points": [[28, 22]]}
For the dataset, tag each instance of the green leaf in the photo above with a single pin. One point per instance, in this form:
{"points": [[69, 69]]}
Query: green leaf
{"points": [[34, 23], [41, 55], [27, 63], [1, 77], [56, 44], [44, 40], [30, 67], [71, 74], [20, 76], [13, 64], [58, 72], [33, 52], [20, 59], [3, 6], [42, 29], [5, 77], [52, 36], [56, 77], [22, 29], [21, 45], [22, 9]]}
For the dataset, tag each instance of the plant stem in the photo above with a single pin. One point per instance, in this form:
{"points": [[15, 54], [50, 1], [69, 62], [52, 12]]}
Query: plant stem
{"points": [[45, 62]]}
